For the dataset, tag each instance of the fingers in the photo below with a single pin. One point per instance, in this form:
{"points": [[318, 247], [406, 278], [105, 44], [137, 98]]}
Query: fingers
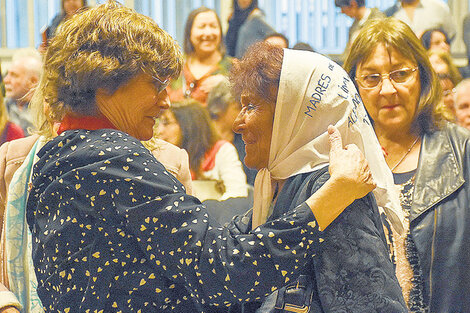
{"points": [[334, 137]]}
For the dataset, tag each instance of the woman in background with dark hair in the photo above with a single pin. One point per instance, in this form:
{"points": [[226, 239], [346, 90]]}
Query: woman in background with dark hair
{"points": [[206, 63], [68, 8], [436, 39], [223, 109], [245, 27], [188, 126]]}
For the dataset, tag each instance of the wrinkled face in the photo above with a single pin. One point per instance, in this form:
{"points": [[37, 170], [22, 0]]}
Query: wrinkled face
{"points": [[169, 129], [447, 93], [255, 124], [391, 105], [243, 4], [462, 107], [18, 81], [439, 42], [205, 33], [135, 106], [71, 6]]}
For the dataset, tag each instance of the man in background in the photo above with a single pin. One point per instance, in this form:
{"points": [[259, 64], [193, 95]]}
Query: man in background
{"points": [[357, 10], [20, 81], [462, 103], [422, 15]]}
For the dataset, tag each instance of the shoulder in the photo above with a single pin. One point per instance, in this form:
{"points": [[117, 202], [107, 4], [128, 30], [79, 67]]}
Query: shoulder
{"points": [[18, 148], [376, 13], [455, 133]]}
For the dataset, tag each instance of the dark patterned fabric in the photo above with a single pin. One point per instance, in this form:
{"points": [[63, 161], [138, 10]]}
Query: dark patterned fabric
{"points": [[352, 271], [113, 231], [416, 303]]}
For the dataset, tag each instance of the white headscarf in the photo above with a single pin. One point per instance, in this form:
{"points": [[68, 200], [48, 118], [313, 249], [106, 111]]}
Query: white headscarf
{"points": [[315, 92]]}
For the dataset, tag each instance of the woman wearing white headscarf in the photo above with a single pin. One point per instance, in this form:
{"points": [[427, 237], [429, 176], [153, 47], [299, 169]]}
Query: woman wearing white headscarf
{"points": [[289, 98]]}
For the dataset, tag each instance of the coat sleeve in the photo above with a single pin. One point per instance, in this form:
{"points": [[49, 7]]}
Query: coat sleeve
{"points": [[219, 265]]}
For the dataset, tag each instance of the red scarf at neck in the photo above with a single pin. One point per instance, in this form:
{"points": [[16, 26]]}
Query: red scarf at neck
{"points": [[87, 122]]}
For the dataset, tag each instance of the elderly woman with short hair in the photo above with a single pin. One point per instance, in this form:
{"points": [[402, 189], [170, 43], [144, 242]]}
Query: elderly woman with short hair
{"points": [[112, 229]]}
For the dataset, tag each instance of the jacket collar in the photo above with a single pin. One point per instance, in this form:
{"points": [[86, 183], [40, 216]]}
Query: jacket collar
{"points": [[438, 174]]}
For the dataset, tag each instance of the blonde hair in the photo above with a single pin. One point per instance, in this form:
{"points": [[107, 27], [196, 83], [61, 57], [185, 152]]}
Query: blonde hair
{"points": [[394, 34], [103, 47]]}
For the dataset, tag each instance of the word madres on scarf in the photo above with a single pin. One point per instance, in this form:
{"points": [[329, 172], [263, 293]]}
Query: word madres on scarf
{"points": [[322, 86]]}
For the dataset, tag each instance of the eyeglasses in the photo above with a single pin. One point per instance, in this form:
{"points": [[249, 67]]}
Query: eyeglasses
{"points": [[401, 76], [161, 84], [447, 92]]}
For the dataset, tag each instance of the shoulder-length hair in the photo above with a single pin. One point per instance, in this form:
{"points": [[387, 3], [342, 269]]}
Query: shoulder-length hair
{"points": [[103, 47], [426, 37], [198, 134], [394, 34], [188, 46]]}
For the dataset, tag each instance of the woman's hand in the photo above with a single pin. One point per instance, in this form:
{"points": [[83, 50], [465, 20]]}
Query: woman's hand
{"points": [[350, 179], [349, 167]]}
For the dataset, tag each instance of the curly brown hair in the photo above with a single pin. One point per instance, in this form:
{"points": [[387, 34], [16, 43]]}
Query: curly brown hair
{"points": [[258, 72], [104, 47]]}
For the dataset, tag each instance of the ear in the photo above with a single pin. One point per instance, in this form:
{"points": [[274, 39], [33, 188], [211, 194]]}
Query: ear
{"points": [[33, 80]]}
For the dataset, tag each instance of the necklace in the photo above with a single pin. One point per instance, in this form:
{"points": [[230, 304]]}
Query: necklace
{"points": [[406, 153]]}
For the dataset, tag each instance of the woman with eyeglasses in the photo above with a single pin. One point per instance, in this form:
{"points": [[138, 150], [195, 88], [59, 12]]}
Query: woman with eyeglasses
{"points": [[429, 160]]}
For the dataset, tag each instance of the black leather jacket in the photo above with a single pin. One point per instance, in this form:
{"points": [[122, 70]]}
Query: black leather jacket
{"points": [[440, 218]]}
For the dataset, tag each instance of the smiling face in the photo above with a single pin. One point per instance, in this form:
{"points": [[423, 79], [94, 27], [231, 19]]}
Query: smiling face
{"points": [[255, 124], [392, 106], [134, 106], [205, 33]]}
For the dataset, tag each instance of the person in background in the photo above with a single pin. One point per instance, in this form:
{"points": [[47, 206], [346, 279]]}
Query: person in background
{"points": [[449, 76], [429, 158], [303, 46], [111, 229], [223, 109], [205, 61], [462, 103], [465, 70], [436, 39], [20, 81], [8, 130], [246, 26], [277, 39], [188, 125], [68, 8], [422, 15], [357, 10]]}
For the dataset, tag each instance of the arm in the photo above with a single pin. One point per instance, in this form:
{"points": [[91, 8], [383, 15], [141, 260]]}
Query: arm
{"points": [[350, 179]]}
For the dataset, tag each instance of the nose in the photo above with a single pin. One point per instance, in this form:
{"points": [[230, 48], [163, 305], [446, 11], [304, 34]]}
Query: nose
{"points": [[164, 103], [387, 86], [238, 123]]}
